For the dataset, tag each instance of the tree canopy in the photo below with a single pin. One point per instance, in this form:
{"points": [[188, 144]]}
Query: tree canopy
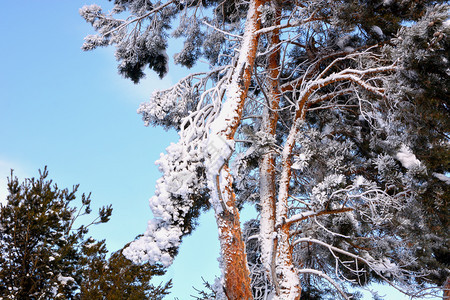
{"points": [[330, 117]]}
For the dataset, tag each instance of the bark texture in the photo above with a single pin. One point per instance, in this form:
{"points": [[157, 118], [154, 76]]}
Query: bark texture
{"points": [[267, 184], [234, 259]]}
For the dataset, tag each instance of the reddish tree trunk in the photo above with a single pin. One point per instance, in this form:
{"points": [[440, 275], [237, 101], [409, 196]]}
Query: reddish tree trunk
{"points": [[234, 258]]}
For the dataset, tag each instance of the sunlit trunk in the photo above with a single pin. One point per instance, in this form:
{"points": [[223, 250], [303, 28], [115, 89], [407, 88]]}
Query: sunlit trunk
{"points": [[223, 129], [234, 258]]}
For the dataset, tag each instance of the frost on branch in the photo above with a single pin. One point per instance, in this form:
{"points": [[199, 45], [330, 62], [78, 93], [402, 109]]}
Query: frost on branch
{"points": [[187, 101], [168, 108], [157, 245], [190, 29], [179, 198], [141, 39], [182, 191], [371, 196]]}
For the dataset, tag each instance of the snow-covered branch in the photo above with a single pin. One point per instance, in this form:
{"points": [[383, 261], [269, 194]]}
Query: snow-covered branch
{"points": [[377, 266], [139, 18], [289, 24], [328, 278], [311, 214]]}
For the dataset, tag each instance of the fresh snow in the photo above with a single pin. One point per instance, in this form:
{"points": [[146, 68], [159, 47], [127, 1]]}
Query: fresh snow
{"points": [[64, 279], [446, 23], [407, 158], [207, 120], [359, 180], [378, 30], [442, 177], [153, 245]]}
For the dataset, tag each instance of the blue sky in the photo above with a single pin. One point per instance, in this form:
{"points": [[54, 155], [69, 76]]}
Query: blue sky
{"points": [[71, 111]]}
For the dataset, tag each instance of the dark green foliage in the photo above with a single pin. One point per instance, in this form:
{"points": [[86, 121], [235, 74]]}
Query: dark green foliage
{"points": [[134, 62], [44, 256], [136, 50], [192, 44], [117, 277], [387, 15], [423, 52], [40, 255], [141, 40]]}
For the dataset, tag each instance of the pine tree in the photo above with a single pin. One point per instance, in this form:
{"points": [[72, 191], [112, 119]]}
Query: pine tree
{"points": [[45, 255], [331, 119], [39, 257]]}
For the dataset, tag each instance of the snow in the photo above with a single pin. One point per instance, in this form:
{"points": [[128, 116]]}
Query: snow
{"points": [[64, 280], [90, 245], [267, 12], [166, 66], [171, 201], [220, 144], [407, 158], [152, 246], [90, 12], [54, 290], [169, 205], [267, 219], [301, 161], [219, 150], [359, 180], [385, 267], [442, 177], [301, 216], [446, 24], [180, 164], [378, 30]]}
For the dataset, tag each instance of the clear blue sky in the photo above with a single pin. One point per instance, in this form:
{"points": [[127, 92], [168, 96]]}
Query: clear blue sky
{"points": [[71, 111]]}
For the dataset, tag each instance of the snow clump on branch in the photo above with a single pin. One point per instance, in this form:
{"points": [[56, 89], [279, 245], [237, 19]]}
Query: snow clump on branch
{"points": [[179, 196]]}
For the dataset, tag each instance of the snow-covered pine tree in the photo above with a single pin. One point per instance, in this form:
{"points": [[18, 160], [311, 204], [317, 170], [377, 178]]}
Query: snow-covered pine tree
{"points": [[311, 111]]}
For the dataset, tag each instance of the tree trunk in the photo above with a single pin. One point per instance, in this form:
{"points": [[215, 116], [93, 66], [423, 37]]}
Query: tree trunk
{"points": [[288, 278], [234, 258], [267, 186]]}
